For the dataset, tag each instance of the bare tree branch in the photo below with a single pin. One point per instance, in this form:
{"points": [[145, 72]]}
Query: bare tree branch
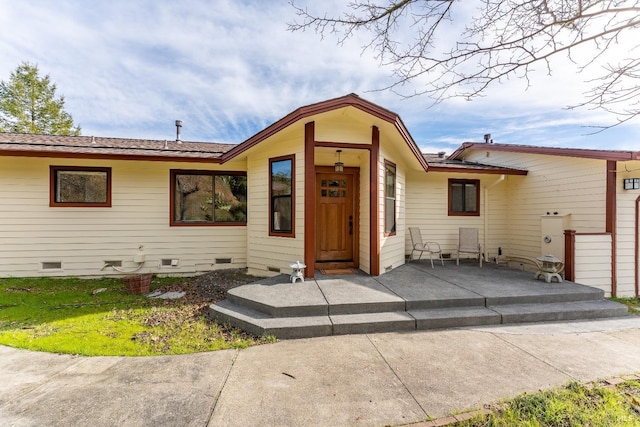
{"points": [[504, 39]]}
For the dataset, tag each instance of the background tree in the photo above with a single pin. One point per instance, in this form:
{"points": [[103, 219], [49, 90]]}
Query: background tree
{"points": [[502, 39], [28, 104]]}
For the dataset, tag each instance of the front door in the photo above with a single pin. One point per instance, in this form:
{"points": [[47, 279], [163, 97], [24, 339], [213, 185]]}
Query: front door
{"points": [[336, 220]]}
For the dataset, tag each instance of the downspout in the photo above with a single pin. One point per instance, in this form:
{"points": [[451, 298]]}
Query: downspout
{"points": [[486, 212]]}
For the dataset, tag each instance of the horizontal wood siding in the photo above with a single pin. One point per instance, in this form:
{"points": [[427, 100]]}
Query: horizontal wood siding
{"points": [[81, 239], [626, 229], [593, 261], [427, 208], [267, 253], [365, 221], [392, 247], [554, 184]]}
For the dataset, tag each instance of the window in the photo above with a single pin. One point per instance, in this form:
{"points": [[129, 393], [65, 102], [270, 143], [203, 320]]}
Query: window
{"points": [[208, 198], [389, 198], [464, 197], [281, 188], [72, 186]]}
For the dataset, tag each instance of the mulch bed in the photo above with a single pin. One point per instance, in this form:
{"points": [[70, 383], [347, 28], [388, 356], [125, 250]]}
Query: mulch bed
{"points": [[210, 287]]}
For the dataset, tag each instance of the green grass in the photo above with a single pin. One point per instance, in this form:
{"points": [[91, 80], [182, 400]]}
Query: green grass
{"points": [[67, 316], [574, 405]]}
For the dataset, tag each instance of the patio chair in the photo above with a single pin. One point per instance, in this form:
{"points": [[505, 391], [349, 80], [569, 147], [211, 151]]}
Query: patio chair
{"points": [[419, 246], [469, 243]]}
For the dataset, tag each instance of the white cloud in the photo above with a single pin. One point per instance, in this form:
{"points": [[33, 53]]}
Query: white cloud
{"points": [[229, 68]]}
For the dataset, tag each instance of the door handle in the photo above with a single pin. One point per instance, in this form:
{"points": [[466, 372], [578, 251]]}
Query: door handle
{"points": [[350, 225]]}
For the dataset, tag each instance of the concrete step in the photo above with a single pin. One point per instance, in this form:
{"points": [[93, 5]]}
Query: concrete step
{"points": [[455, 317], [303, 325], [369, 323], [557, 294], [524, 313], [259, 324]]}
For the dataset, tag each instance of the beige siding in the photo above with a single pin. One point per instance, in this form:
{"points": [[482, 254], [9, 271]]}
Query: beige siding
{"points": [[570, 186], [269, 255], [365, 209], [427, 209], [392, 250], [83, 238], [627, 229], [593, 261]]}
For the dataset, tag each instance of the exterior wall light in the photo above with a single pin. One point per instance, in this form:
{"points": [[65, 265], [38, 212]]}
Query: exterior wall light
{"points": [[629, 183], [339, 165]]}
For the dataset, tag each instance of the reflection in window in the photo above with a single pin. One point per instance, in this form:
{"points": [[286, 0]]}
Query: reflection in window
{"points": [[390, 198], [281, 190], [80, 186], [464, 197], [209, 197]]}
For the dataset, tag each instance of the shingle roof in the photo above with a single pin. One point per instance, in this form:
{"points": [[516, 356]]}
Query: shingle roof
{"points": [[439, 163], [30, 144]]}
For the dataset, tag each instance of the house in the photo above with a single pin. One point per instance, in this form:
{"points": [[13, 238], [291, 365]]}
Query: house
{"points": [[334, 184]]}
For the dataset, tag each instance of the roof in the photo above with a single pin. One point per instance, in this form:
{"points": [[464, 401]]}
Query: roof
{"points": [[551, 151], [140, 149], [351, 100], [440, 163], [18, 144]]}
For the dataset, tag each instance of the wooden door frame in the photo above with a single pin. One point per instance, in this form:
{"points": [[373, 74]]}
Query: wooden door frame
{"points": [[310, 145], [355, 263]]}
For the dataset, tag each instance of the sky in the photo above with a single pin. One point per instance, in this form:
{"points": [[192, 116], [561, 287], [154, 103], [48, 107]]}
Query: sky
{"points": [[229, 68]]}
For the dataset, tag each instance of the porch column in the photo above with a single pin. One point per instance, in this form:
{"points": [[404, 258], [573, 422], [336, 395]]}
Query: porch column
{"points": [[374, 202], [309, 200], [570, 255]]}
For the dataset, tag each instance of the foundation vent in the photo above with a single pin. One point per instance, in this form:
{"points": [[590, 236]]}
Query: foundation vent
{"points": [[113, 263], [274, 269], [52, 265], [223, 260]]}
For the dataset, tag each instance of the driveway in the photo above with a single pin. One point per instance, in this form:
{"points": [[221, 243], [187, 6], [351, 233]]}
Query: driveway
{"points": [[366, 380]]}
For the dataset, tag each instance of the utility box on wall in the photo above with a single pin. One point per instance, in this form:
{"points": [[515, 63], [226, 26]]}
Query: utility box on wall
{"points": [[552, 228]]}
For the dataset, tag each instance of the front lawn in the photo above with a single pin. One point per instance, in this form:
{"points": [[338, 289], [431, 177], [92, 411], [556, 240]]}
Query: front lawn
{"points": [[595, 404], [94, 317]]}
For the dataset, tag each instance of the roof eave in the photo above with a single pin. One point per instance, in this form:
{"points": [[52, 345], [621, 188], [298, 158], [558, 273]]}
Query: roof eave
{"points": [[351, 100], [478, 170], [69, 155], [550, 151]]}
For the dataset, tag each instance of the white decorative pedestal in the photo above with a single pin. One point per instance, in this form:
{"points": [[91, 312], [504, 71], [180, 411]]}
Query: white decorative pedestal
{"points": [[297, 271], [549, 267]]}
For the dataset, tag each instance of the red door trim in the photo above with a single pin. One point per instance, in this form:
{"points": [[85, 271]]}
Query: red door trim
{"points": [[309, 200]]}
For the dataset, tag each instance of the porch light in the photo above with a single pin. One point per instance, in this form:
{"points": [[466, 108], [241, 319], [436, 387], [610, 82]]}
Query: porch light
{"points": [[627, 183], [339, 165]]}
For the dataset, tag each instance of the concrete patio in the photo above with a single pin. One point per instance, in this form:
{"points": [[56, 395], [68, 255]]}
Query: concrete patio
{"points": [[412, 297]]}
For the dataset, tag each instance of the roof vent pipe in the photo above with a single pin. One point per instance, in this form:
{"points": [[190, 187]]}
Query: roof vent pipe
{"points": [[178, 126]]}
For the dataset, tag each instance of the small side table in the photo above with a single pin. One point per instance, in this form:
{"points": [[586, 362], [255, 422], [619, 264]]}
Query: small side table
{"points": [[297, 271]]}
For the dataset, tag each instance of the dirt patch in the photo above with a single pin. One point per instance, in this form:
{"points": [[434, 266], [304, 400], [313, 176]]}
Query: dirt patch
{"points": [[210, 287]]}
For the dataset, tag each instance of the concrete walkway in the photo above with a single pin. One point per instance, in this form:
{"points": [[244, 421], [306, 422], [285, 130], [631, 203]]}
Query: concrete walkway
{"points": [[351, 380]]}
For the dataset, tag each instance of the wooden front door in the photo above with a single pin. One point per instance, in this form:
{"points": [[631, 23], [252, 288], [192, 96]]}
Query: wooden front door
{"points": [[336, 219]]}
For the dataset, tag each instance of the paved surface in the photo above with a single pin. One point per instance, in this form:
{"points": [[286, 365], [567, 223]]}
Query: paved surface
{"points": [[353, 380]]}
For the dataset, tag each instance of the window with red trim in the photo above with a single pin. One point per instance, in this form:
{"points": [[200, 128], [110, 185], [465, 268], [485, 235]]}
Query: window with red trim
{"points": [[389, 198], [208, 197], [74, 186], [464, 197], [281, 195]]}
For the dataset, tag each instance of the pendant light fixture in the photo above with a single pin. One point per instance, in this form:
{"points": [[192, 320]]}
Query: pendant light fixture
{"points": [[339, 166]]}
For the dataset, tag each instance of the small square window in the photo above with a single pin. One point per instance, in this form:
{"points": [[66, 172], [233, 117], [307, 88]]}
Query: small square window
{"points": [[464, 197]]}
